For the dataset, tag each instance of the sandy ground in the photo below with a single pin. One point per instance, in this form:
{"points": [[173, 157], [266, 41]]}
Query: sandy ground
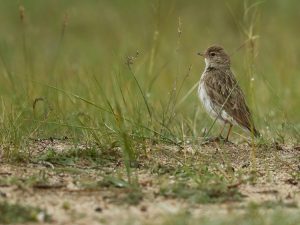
{"points": [[68, 202]]}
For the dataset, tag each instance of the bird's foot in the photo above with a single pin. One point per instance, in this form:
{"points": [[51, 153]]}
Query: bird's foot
{"points": [[218, 139]]}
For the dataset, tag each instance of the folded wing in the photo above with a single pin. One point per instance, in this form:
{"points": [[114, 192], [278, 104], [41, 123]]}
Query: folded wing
{"points": [[224, 91]]}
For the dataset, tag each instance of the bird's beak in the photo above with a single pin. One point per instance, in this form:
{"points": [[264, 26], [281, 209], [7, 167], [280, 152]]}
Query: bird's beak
{"points": [[201, 54]]}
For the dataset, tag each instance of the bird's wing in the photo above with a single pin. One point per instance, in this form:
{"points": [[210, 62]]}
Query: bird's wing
{"points": [[223, 90]]}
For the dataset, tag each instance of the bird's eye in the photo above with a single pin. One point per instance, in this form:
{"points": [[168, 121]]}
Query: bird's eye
{"points": [[212, 54]]}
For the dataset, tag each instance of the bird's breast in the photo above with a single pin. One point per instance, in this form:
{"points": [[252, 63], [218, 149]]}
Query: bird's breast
{"points": [[205, 99]]}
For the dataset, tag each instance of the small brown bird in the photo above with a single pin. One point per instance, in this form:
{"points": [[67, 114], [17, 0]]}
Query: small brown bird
{"points": [[220, 93]]}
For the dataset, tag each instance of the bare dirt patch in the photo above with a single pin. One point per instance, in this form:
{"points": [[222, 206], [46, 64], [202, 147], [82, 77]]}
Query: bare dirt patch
{"points": [[76, 188]]}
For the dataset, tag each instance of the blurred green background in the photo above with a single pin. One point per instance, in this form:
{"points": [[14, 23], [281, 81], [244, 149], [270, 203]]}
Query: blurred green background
{"points": [[81, 47]]}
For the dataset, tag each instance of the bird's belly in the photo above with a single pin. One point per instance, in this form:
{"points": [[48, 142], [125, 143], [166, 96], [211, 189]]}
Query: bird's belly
{"points": [[213, 110], [207, 103]]}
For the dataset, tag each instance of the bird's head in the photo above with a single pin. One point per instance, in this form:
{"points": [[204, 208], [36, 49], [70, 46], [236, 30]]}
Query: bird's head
{"points": [[216, 56]]}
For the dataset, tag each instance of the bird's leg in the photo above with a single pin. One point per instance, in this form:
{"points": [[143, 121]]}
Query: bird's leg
{"points": [[220, 135], [229, 130], [220, 138]]}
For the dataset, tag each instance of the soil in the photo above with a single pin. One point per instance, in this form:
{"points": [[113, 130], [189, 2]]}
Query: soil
{"points": [[67, 200]]}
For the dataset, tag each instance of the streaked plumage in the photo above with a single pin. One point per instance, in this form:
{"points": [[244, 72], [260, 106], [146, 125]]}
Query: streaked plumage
{"points": [[220, 93]]}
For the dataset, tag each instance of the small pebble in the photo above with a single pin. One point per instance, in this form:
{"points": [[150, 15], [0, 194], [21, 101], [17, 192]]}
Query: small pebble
{"points": [[98, 209], [143, 208]]}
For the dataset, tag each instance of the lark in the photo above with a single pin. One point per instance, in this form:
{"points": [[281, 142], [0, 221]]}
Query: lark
{"points": [[220, 93]]}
